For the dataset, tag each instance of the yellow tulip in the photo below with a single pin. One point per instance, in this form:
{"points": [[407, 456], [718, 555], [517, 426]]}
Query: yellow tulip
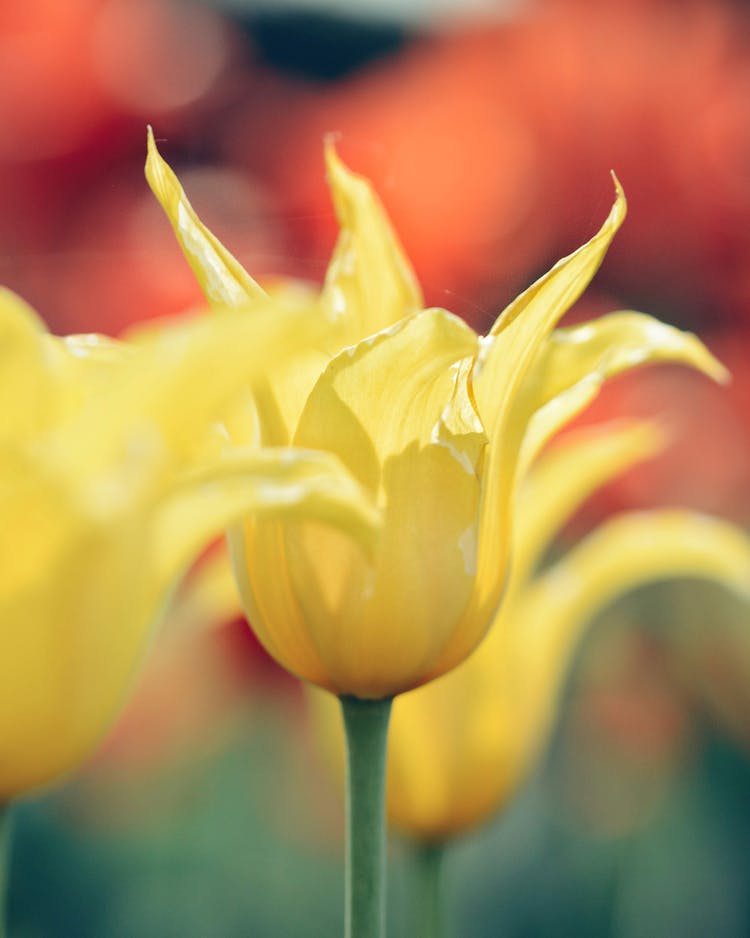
{"points": [[110, 484], [460, 746], [433, 421]]}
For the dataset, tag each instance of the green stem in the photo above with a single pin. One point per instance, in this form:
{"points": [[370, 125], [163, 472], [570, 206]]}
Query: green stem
{"points": [[366, 725], [428, 906], [4, 864]]}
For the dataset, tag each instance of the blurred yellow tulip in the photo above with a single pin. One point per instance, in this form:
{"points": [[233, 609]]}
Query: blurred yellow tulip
{"points": [[110, 484], [460, 746], [433, 421]]}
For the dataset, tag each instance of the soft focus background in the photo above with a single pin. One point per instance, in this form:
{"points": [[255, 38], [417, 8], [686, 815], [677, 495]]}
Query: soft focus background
{"points": [[489, 128]]}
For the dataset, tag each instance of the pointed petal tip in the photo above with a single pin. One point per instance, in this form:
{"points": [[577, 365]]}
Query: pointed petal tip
{"points": [[719, 372], [159, 175], [338, 173], [706, 362], [151, 150], [329, 146], [620, 207], [650, 437], [154, 163]]}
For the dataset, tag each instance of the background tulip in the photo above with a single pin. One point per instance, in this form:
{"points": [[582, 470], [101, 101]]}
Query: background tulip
{"points": [[110, 485]]}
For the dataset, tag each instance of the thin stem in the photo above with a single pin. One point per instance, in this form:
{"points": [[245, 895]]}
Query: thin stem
{"points": [[428, 905], [5, 823], [366, 725]]}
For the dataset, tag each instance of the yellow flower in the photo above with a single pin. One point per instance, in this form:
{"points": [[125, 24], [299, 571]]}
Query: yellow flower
{"points": [[433, 421], [460, 746], [110, 483]]}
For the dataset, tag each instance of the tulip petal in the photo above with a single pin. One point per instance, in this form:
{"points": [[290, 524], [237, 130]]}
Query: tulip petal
{"points": [[387, 392], [226, 284], [369, 284], [612, 344], [505, 358], [261, 568], [221, 276], [177, 380], [380, 626], [573, 363], [553, 416], [518, 333], [624, 553], [567, 475], [69, 648], [281, 483], [26, 386]]}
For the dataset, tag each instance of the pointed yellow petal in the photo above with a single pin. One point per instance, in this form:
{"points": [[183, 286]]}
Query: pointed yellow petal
{"points": [[369, 284], [222, 278], [282, 483], [509, 349], [623, 553], [504, 361], [567, 475]]}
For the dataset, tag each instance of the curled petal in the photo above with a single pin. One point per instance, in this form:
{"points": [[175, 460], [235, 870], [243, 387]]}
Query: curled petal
{"points": [[573, 364], [612, 344], [287, 484], [626, 552]]}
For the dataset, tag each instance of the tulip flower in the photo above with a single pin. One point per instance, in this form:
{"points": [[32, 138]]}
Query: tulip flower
{"points": [[436, 424], [110, 484]]}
